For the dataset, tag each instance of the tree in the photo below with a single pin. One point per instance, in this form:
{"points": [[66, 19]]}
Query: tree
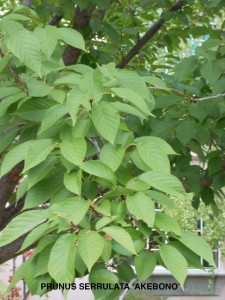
{"points": [[100, 113]]}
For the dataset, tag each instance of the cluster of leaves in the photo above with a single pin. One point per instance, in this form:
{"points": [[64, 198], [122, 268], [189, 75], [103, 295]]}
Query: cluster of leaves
{"points": [[213, 225], [197, 126], [96, 144]]}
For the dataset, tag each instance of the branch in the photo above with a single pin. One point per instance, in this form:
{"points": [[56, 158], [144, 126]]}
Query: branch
{"points": [[148, 36], [16, 78], [55, 20], [81, 19], [204, 183], [7, 185], [10, 251], [10, 213], [210, 97]]}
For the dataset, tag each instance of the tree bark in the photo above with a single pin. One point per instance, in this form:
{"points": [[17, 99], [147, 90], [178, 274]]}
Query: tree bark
{"points": [[81, 19], [10, 251], [7, 185], [10, 213]]}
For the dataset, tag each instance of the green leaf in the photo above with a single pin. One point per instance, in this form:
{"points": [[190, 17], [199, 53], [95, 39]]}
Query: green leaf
{"points": [[167, 100], [161, 199], [36, 234], [8, 27], [17, 17], [48, 38], [6, 91], [112, 156], [104, 221], [18, 275], [174, 262], [72, 37], [192, 258], [128, 109], [58, 95], [106, 120], [42, 191], [167, 223], [75, 208], [218, 87], [136, 184], [107, 251], [82, 3], [36, 88], [24, 45], [38, 152], [132, 97], [40, 171], [121, 236], [125, 272], [42, 262], [207, 195], [4, 62], [68, 79], [22, 189], [75, 150], [142, 207], [211, 71], [52, 115], [157, 82], [98, 169], [61, 261], [7, 138], [153, 156], [156, 142], [22, 224], [144, 265], [137, 160], [74, 99], [164, 182], [104, 208], [80, 265], [131, 80], [185, 68], [34, 284], [45, 242], [73, 181], [5, 103], [198, 245], [14, 156], [90, 254], [185, 131], [103, 276]]}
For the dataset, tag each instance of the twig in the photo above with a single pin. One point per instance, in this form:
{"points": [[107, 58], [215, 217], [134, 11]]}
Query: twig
{"points": [[127, 290], [192, 99], [210, 97], [94, 144], [16, 78]]}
